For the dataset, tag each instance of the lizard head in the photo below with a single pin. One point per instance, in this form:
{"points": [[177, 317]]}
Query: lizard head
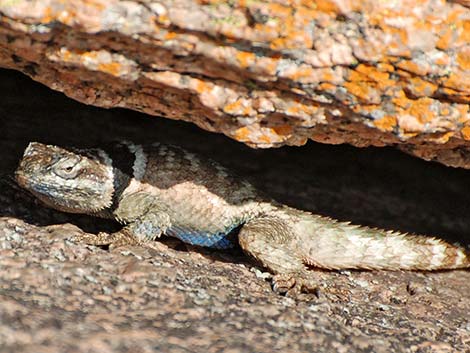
{"points": [[67, 180]]}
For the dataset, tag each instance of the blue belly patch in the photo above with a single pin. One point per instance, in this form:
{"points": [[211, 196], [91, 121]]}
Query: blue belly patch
{"points": [[219, 240]]}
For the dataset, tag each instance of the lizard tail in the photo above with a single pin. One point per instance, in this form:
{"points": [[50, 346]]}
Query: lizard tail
{"points": [[338, 245]]}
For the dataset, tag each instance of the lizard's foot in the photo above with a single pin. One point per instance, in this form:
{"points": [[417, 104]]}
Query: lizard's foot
{"points": [[113, 240], [294, 283]]}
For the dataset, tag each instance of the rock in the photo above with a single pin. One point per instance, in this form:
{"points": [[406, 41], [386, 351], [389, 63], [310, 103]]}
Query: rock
{"points": [[179, 301], [262, 72]]}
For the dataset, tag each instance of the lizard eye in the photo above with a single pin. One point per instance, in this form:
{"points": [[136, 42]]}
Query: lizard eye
{"points": [[67, 168]]}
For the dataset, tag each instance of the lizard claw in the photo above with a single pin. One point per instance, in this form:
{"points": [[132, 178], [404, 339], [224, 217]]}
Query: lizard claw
{"points": [[283, 283], [100, 239], [113, 240], [292, 284], [122, 239]]}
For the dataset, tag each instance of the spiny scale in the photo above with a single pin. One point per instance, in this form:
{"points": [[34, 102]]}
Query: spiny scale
{"points": [[161, 189]]}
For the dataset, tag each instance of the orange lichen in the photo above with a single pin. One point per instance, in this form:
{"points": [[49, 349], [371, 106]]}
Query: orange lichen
{"points": [[326, 86], [413, 67], [464, 36], [111, 68], [232, 107], [97, 4], [89, 55], [400, 34], [325, 6], [263, 138], [286, 26], [170, 35], [163, 19], [421, 88], [279, 10], [463, 59], [65, 54], [262, 135], [67, 16], [293, 110], [421, 109], [239, 107], [305, 15], [270, 66], [399, 44], [463, 110], [444, 138], [300, 110], [301, 73], [443, 60], [401, 100], [385, 67], [454, 81], [444, 111], [242, 134], [327, 75], [359, 86], [367, 82], [268, 31], [387, 123], [403, 73], [201, 86], [48, 15], [465, 131], [445, 39], [285, 42], [245, 58], [380, 78]]}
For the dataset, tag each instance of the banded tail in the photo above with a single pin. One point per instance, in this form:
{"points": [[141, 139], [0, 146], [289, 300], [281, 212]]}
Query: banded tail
{"points": [[337, 245]]}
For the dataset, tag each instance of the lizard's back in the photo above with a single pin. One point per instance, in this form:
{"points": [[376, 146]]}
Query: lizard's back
{"points": [[202, 199]]}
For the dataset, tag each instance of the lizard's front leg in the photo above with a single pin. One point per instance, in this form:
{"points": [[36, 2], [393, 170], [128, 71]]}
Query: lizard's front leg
{"points": [[267, 239], [143, 229], [145, 221]]}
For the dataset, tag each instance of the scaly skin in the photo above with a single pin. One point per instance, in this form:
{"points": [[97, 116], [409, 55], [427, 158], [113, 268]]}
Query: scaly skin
{"points": [[160, 189]]}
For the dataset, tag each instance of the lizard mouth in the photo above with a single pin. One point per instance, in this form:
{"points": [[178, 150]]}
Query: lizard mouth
{"points": [[21, 179]]}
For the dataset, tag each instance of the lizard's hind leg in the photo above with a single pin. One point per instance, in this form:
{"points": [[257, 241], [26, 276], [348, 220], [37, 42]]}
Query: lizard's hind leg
{"points": [[268, 240]]}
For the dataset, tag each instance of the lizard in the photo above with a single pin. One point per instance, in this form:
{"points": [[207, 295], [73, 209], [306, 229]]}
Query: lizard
{"points": [[161, 189]]}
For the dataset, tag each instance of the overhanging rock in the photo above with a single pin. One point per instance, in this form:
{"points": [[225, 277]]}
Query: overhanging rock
{"points": [[266, 73]]}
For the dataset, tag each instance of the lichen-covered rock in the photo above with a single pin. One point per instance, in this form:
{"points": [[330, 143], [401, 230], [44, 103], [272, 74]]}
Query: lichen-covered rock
{"points": [[265, 73]]}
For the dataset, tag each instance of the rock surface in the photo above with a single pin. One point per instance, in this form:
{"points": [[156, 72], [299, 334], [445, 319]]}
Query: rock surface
{"points": [[266, 73], [57, 296]]}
